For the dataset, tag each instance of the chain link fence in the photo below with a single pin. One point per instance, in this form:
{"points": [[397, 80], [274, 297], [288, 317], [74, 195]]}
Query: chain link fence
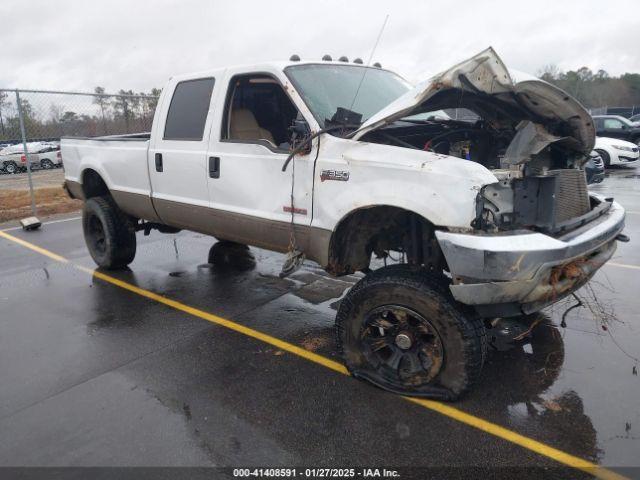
{"points": [[49, 115], [31, 125], [622, 111]]}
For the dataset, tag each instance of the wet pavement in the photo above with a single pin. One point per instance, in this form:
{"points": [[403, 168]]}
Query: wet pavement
{"points": [[93, 375]]}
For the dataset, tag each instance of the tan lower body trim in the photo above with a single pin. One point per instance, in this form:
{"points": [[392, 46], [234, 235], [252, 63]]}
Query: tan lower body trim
{"points": [[255, 231]]}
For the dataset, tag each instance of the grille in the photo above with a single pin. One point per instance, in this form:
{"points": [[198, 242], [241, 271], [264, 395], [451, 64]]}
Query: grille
{"points": [[571, 195]]}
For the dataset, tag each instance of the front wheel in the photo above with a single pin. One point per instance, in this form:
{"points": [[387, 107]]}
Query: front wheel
{"points": [[606, 158], [109, 233], [400, 329], [46, 164]]}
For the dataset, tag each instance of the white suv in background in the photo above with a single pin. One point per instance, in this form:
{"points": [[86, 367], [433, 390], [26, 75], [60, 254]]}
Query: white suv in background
{"points": [[615, 151]]}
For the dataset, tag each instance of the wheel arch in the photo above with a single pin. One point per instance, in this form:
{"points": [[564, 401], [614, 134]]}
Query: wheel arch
{"points": [[607, 158], [93, 185], [379, 228]]}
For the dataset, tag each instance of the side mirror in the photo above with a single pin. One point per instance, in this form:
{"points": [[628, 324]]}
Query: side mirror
{"points": [[300, 131]]}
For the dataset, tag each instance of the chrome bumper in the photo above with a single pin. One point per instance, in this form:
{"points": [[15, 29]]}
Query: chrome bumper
{"points": [[521, 272]]}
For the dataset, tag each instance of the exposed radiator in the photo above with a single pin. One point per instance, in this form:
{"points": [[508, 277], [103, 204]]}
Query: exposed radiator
{"points": [[571, 195]]}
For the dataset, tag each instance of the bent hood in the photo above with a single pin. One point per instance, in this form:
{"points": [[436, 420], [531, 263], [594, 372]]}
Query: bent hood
{"points": [[485, 85]]}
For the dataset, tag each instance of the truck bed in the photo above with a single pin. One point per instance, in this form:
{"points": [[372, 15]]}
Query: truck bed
{"points": [[120, 160]]}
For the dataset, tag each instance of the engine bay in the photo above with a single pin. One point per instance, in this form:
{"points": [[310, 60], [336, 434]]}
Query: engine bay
{"points": [[485, 142], [541, 184]]}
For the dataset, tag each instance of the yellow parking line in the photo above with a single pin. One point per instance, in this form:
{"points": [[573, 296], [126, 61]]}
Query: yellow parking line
{"points": [[444, 409]]}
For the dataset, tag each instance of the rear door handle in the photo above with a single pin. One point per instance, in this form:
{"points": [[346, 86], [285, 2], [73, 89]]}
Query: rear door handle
{"points": [[158, 162], [214, 167]]}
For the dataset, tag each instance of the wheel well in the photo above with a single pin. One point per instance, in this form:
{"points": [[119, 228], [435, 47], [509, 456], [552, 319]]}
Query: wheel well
{"points": [[378, 230], [93, 185]]}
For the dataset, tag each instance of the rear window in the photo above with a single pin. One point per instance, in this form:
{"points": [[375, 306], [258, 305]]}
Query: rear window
{"points": [[188, 110]]}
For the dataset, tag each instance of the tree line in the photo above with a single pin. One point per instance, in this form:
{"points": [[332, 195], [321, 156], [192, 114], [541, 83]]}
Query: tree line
{"points": [[596, 89], [68, 115]]}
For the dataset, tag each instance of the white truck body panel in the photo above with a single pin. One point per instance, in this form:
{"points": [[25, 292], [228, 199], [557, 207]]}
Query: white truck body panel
{"points": [[414, 180], [121, 164]]}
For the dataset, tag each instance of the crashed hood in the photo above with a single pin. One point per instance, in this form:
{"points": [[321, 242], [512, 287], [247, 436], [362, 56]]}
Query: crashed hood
{"points": [[484, 77]]}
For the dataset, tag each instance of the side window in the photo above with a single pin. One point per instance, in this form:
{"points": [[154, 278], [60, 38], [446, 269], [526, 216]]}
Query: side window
{"points": [[258, 110], [612, 123], [188, 110], [599, 123]]}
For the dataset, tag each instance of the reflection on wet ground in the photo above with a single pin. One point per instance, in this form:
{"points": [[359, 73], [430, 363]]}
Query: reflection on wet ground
{"points": [[117, 379]]}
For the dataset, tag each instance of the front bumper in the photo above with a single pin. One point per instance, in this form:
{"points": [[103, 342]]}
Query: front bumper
{"points": [[520, 272]]}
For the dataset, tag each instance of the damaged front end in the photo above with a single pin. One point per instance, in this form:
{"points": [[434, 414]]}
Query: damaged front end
{"points": [[537, 234], [522, 271]]}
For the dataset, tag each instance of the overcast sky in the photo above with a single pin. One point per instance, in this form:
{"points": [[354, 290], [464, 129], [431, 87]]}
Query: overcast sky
{"points": [[76, 45]]}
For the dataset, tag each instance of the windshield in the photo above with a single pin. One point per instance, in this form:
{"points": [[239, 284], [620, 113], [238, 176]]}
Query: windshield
{"points": [[325, 88]]}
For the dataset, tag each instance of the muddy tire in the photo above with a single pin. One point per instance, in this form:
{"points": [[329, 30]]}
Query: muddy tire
{"points": [[231, 255], [109, 233], [400, 329]]}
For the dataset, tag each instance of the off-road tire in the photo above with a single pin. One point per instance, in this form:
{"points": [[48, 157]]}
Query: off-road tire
{"points": [[606, 158], [461, 331], [231, 255], [109, 233]]}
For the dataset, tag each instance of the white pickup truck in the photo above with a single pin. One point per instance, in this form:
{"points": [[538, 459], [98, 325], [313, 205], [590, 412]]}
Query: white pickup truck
{"points": [[344, 163]]}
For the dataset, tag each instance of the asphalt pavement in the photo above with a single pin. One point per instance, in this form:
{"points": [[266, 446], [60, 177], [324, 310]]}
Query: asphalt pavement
{"points": [[100, 372]]}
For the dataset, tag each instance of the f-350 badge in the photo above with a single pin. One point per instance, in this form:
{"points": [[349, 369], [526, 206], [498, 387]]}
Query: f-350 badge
{"points": [[337, 175]]}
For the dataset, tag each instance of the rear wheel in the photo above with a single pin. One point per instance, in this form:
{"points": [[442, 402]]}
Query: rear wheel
{"points": [[400, 329], [231, 255], [10, 167], [606, 159], [109, 233]]}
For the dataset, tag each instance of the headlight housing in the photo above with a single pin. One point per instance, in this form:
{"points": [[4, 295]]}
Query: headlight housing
{"points": [[623, 148]]}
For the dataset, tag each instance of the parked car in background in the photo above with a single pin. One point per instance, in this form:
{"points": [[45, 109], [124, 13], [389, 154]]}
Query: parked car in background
{"points": [[635, 118], [50, 159], [43, 155], [49, 154], [594, 168], [615, 126], [17, 162], [615, 152]]}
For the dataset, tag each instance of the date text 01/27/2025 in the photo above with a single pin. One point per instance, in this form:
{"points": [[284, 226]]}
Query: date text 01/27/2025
{"points": [[314, 473]]}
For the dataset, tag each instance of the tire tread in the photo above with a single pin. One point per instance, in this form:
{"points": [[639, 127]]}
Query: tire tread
{"points": [[436, 287]]}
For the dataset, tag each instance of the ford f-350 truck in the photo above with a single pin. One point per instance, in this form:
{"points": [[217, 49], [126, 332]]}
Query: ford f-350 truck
{"points": [[343, 163]]}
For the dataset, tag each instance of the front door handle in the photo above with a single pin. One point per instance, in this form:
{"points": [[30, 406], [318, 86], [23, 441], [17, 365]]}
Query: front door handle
{"points": [[158, 162], [214, 167]]}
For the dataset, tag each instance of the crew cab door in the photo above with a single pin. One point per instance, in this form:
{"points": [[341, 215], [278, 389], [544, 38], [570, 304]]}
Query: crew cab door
{"points": [[250, 195], [177, 157]]}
